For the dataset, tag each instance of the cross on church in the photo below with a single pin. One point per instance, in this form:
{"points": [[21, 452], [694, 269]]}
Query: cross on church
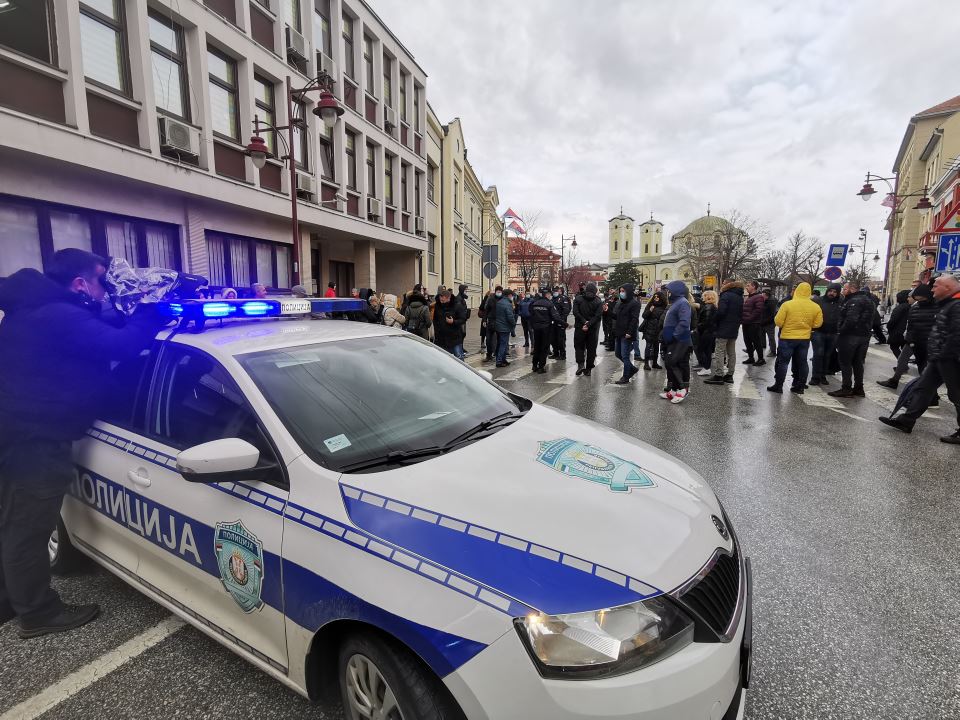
{"points": [[708, 209]]}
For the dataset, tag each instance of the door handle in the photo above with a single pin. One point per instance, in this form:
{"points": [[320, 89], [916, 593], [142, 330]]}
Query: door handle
{"points": [[139, 477]]}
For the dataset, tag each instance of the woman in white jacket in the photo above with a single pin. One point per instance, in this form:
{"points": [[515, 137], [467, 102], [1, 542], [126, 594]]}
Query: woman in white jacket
{"points": [[392, 316]]}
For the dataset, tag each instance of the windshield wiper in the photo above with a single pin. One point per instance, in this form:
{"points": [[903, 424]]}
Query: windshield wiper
{"points": [[480, 429], [397, 457]]}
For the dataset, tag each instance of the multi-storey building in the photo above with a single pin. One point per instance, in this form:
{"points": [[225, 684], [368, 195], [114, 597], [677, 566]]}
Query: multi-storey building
{"points": [[924, 163], [123, 125]]}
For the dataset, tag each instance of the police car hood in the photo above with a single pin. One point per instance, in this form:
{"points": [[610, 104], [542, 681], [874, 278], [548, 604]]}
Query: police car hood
{"points": [[559, 513]]}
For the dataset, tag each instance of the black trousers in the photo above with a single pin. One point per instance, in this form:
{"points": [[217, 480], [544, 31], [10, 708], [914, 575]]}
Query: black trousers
{"points": [[34, 477], [527, 333], [541, 345], [559, 341], [585, 343], [853, 353], [753, 339], [935, 374], [676, 359], [608, 331]]}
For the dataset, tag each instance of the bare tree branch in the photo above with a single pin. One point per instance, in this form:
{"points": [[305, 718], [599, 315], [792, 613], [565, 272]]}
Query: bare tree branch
{"points": [[529, 255]]}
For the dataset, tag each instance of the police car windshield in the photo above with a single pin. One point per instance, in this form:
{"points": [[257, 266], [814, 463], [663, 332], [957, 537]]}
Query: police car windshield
{"points": [[352, 402]]}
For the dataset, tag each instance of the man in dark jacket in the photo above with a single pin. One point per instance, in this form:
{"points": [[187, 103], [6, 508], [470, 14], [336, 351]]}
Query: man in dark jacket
{"points": [[524, 310], [728, 318], [853, 338], [625, 327], [877, 328], [55, 355], [543, 316], [505, 321], [417, 314], [449, 318], [824, 338], [651, 327], [488, 313], [587, 314], [769, 328], [752, 321], [897, 324], [559, 339], [609, 304], [920, 319], [943, 364]]}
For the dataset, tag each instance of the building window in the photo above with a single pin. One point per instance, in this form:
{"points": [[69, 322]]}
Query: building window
{"points": [[325, 152], [387, 82], [29, 28], [104, 44], [431, 176], [456, 195], [169, 61], [238, 262], [404, 171], [416, 108], [368, 63], [431, 252], [351, 150], [615, 246], [265, 102], [456, 260], [321, 27], [646, 249], [416, 193], [291, 13], [388, 180], [371, 171], [348, 67], [403, 97], [301, 146], [223, 94]]}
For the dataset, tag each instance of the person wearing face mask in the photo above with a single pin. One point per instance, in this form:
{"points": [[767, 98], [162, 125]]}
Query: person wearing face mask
{"points": [[625, 326], [587, 314], [543, 316], [56, 349], [559, 338]]}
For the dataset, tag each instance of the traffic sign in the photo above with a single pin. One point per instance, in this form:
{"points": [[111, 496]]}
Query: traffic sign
{"points": [[490, 270], [832, 273], [837, 255], [710, 281], [948, 254]]}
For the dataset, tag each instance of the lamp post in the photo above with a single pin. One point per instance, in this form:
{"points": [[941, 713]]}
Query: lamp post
{"points": [[863, 254], [573, 245], [328, 110]]}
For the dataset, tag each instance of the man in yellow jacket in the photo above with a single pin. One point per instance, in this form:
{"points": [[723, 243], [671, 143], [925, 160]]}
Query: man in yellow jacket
{"points": [[797, 319]]}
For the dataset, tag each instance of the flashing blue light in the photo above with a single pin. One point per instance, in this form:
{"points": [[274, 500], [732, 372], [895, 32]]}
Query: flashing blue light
{"points": [[331, 305], [218, 309], [259, 308]]}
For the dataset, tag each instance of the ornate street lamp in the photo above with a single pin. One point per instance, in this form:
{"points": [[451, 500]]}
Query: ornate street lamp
{"points": [[328, 110]]}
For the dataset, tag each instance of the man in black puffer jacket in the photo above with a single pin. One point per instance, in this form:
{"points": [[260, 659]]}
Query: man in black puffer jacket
{"points": [[55, 355], [854, 330], [824, 338], [587, 314], [897, 324], [919, 324], [728, 318], [943, 364], [543, 318], [625, 326]]}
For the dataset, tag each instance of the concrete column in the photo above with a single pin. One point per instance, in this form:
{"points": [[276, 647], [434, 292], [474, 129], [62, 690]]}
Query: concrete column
{"points": [[365, 264], [197, 259], [197, 75], [67, 15], [141, 73]]}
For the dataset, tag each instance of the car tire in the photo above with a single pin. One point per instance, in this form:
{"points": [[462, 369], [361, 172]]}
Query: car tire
{"points": [[64, 557], [367, 659]]}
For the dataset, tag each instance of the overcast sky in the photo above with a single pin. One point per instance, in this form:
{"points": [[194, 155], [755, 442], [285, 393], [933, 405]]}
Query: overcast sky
{"points": [[774, 108]]}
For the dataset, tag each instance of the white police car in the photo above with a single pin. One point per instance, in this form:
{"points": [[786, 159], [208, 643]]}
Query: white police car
{"points": [[358, 513]]}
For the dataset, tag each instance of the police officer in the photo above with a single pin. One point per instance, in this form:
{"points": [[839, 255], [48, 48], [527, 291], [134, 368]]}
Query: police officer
{"points": [[559, 339], [543, 317], [55, 355], [587, 313]]}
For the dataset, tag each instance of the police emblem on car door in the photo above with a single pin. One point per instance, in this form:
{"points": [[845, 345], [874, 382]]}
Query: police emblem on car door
{"points": [[240, 560]]}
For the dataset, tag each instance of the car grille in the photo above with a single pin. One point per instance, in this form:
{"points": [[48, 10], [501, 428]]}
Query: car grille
{"points": [[714, 597]]}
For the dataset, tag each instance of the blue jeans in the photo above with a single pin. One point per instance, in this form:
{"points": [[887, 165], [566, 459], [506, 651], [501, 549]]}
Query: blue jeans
{"points": [[503, 344], [823, 345], [457, 351], [623, 347], [795, 352]]}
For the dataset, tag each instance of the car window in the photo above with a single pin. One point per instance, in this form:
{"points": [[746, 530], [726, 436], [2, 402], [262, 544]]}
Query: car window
{"points": [[351, 400], [199, 402], [129, 383]]}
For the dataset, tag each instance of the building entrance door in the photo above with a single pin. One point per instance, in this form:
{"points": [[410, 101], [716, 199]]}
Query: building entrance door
{"points": [[342, 274]]}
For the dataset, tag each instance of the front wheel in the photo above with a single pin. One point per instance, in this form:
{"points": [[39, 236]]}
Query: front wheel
{"points": [[63, 555], [380, 680]]}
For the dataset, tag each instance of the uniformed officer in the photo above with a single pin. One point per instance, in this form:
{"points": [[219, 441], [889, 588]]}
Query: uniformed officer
{"points": [[559, 333], [543, 317], [55, 355]]}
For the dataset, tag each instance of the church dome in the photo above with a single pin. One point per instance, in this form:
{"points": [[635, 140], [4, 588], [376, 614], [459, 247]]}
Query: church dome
{"points": [[706, 226]]}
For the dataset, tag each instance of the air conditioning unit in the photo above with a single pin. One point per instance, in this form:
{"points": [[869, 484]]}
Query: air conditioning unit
{"points": [[373, 207], [327, 64], [306, 183], [176, 135], [390, 117], [421, 225], [296, 44]]}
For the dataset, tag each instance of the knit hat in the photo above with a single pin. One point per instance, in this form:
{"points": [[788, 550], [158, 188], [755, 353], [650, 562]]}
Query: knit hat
{"points": [[922, 291]]}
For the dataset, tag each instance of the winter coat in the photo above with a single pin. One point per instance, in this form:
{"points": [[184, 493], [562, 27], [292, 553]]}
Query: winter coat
{"points": [[543, 314], [371, 310], [920, 322], [769, 310], [446, 335], [330, 293], [627, 319], [753, 308], [944, 342], [392, 316], [797, 318], [587, 310], [418, 316], [897, 324], [653, 318], [55, 353], [856, 315], [525, 307], [676, 323], [729, 310], [706, 320], [562, 303], [506, 320], [831, 310]]}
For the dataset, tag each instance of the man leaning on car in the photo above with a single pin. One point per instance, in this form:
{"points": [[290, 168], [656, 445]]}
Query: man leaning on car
{"points": [[55, 355]]}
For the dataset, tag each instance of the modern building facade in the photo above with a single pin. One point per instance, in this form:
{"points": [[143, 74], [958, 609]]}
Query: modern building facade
{"points": [[123, 125]]}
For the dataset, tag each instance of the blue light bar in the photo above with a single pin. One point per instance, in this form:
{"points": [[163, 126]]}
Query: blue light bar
{"points": [[332, 305], [219, 309]]}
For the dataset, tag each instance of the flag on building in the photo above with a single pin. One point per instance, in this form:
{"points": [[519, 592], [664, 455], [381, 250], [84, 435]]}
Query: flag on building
{"points": [[888, 201], [510, 214]]}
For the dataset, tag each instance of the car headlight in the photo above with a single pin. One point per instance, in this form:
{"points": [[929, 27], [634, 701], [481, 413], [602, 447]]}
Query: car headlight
{"points": [[606, 642]]}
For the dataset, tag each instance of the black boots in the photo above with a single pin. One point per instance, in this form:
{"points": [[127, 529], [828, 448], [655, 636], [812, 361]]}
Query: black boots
{"points": [[70, 618], [891, 383], [579, 369], [646, 364]]}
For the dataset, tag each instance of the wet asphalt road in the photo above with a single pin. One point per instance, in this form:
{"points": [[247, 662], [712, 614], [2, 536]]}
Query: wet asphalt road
{"points": [[852, 528]]}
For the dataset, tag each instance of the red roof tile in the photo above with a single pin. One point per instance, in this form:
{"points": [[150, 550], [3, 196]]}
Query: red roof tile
{"points": [[953, 104]]}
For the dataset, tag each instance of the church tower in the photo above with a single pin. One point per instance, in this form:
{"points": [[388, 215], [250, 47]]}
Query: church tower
{"points": [[621, 238], [650, 238]]}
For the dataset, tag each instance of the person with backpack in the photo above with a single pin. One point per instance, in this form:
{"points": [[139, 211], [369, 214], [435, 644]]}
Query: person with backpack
{"points": [[417, 315]]}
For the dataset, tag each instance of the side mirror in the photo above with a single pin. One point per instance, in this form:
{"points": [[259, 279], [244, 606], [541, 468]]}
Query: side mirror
{"points": [[229, 459], [485, 374]]}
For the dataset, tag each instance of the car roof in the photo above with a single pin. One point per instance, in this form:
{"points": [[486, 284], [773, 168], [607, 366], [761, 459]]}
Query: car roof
{"points": [[238, 337]]}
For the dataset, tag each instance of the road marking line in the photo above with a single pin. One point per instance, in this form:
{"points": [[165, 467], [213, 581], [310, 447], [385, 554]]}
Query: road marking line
{"points": [[744, 387], [842, 412], [816, 397], [570, 373], [517, 373], [541, 399], [93, 671]]}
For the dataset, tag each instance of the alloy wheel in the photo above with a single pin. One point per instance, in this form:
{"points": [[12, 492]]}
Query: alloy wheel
{"points": [[53, 546], [369, 695]]}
